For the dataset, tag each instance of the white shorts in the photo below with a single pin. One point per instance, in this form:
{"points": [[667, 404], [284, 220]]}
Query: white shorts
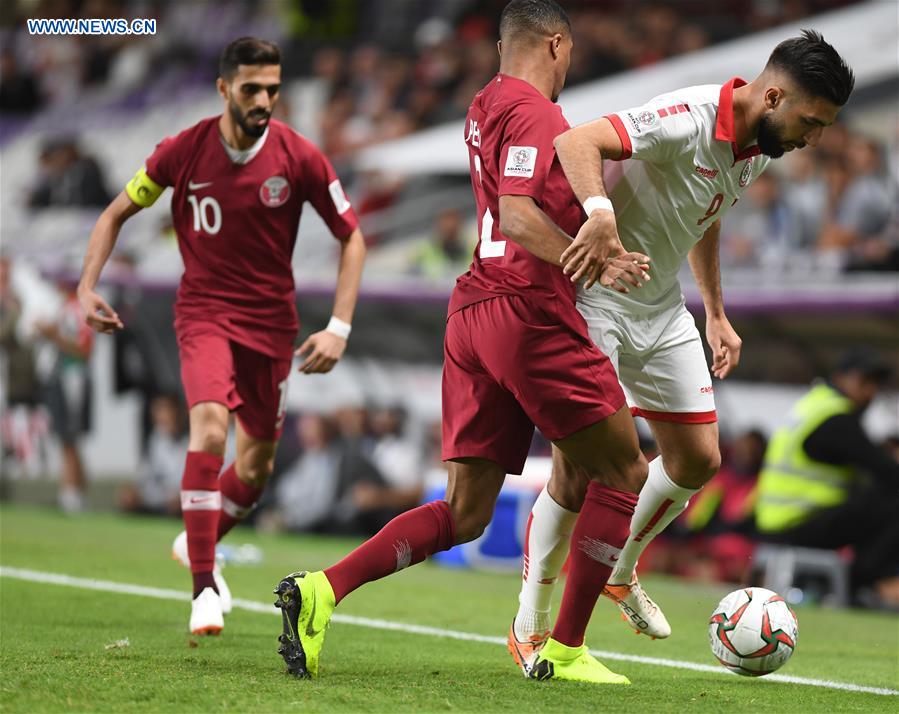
{"points": [[659, 360]]}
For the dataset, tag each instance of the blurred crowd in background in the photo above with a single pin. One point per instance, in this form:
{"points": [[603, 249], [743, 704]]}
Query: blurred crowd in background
{"points": [[369, 72], [412, 65]]}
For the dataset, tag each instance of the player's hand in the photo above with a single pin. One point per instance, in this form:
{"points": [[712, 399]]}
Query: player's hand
{"points": [[623, 270], [596, 243], [97, 313], [726, 345], [324, 350]]}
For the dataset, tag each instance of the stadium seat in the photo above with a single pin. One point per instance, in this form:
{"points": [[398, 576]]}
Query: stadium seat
{"points": [[785, 567]]}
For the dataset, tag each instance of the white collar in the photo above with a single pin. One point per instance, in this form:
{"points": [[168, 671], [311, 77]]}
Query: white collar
{"points": [[244, 156]]}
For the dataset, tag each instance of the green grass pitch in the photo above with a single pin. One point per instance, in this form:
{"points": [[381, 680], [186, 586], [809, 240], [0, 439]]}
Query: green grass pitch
{"points": [[53, 638]]}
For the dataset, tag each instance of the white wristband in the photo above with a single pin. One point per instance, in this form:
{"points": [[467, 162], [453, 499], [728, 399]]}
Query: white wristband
{"points": [[597, 203], [338, 327]]}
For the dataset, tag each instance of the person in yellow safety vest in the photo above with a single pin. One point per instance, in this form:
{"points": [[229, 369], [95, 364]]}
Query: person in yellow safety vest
{"points": [[824, 484]]}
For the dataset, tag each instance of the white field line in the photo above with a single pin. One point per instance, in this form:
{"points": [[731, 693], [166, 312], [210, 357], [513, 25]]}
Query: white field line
{"points": [[35, 576]]}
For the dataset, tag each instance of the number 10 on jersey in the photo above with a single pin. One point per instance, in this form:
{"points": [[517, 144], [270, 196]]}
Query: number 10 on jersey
{"points": [[207, 214]]}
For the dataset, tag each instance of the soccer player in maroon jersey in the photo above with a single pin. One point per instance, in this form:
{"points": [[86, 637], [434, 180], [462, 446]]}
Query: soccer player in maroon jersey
{"points": [[517, 354], [240, 180]]}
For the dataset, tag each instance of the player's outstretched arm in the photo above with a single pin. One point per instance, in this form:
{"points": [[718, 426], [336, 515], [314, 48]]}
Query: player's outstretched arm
{"points": [[723, 340], [97, 313], [327, 346], [596, 253]]}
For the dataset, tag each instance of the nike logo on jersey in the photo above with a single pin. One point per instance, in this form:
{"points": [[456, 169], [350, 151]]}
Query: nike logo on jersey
{"points": [[208, 499], [194, 186]]}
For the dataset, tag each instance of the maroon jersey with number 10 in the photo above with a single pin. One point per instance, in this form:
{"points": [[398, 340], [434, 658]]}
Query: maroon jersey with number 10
{"points": [[237, 218]]}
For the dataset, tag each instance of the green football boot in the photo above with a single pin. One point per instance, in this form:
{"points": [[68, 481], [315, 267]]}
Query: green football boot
{"points": [[307, 602]]}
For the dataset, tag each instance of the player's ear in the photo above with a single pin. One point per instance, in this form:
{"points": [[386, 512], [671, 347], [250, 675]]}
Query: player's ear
{"points": [[222, 87], [499, 47], [555, 45], [773, 97]]}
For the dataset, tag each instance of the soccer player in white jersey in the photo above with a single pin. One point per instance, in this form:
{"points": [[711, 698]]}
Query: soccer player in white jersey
{"points": [[691, 154]]}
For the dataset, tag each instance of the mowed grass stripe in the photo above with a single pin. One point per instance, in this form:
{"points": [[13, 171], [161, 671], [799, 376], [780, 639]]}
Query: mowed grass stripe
{"points": [[252, 606]]}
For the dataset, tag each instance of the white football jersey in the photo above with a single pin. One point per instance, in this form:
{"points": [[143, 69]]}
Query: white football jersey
{"points": [[684, 171]]}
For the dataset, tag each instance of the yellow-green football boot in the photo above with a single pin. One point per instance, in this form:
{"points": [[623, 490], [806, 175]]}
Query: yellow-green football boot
{"points": [[307, 602], [558, 661]]}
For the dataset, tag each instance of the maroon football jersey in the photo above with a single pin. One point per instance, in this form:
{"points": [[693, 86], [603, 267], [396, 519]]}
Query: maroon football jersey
{"points": [[237, 223], [509, 132]]}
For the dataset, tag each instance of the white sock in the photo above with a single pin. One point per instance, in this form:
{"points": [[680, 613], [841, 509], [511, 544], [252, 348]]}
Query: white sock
{"points": [[71, 500], [660, 502], [548, 539]]}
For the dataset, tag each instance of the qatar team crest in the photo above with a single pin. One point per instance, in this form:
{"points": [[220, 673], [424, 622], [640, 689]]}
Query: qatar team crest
{"points": [[746, 173], [275, 191], [648, 118]]}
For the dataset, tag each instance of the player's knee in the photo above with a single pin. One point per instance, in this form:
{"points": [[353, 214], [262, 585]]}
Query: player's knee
{"points": [[568, 483], [471, 520], [695, 469], [469, 529], [634, 473], [210, 438], [255, 472]]}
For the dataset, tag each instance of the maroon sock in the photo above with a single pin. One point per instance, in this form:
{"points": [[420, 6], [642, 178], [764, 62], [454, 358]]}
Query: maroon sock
{"points": [[200, 506], [238, 499], [408, 539], [599, 535]]}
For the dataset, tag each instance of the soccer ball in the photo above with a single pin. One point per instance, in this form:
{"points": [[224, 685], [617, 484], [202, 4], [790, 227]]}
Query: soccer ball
{"points": [[753, 632]]}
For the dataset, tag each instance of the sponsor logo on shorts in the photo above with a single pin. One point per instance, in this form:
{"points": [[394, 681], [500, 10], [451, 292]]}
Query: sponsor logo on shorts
{"points": [[707, 173], [706, 390], [275, 191], [521, 161]]}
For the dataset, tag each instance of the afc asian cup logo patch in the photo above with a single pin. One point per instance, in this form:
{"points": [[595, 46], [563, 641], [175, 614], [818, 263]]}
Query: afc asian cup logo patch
{"points": [[275, 191], [746, 173], [648, 118], [520, 161]]}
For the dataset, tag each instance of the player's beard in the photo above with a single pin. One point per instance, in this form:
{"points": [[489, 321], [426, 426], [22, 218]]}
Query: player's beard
{"points": [[770, 137], [254, 130]]}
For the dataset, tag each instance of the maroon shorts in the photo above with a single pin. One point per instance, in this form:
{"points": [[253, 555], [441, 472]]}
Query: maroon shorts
{"points": [[254, 385], [510, 366]]}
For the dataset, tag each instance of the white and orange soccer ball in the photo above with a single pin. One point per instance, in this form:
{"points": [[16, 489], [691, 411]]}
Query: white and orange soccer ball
{"points": [[753, 632]]}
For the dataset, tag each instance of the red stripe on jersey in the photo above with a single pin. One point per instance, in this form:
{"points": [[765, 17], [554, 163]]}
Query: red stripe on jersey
{"points": [[626, 147], [656, 517], [681, 108], [677, 417], [663, 113], [672, 109], [686, 107]]}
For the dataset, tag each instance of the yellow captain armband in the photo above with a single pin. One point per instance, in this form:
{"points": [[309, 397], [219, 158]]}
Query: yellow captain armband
{"points": [[143, 190]]}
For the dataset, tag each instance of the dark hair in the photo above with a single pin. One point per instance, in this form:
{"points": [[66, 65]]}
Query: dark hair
{"points": [[815, 65], [538, 18], [247, 50]]}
